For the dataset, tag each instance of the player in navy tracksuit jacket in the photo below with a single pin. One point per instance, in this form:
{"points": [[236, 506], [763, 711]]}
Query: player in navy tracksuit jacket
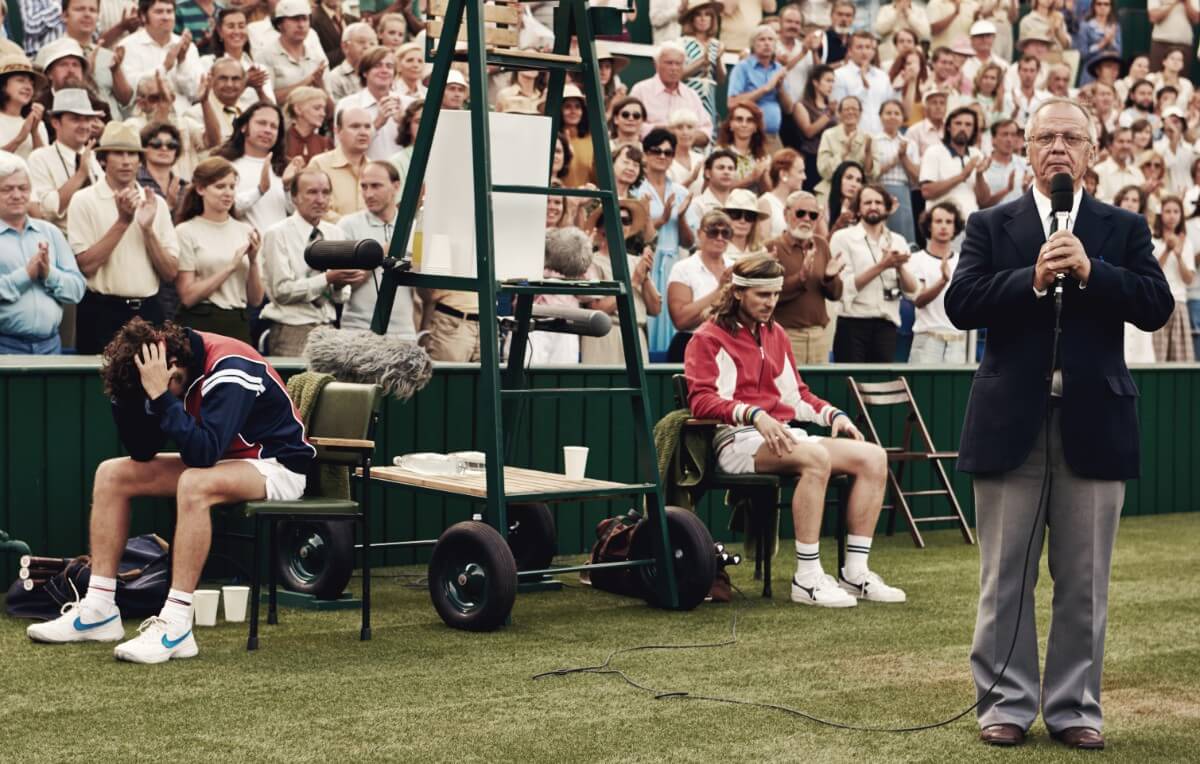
{"points": [[240, 438]]}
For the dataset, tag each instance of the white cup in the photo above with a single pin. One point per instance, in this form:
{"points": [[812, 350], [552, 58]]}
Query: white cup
{"points": [[575, 461], [236, 599], [205, 603]]}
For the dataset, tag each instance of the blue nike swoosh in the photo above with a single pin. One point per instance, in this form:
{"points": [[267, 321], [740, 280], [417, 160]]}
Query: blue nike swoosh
{"points": [[171, 644], [81, 626]]}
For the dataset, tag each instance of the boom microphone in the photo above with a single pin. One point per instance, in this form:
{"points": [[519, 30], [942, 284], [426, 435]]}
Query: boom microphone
{"points": [[1062, 194], [364, 254], [585, 323]]}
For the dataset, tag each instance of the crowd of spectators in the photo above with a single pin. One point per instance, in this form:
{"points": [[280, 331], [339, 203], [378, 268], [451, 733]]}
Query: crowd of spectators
{"points": [[172, 160]]}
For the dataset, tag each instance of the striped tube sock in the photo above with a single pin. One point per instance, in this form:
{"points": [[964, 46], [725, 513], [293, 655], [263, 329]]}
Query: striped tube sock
{"points": [[857, 550], [101, 593], [808, 561], [178, 609]]}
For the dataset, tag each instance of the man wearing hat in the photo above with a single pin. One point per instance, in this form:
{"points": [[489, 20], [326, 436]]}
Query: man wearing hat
{"points": [[1107, 66], [124, 242], [155, 47], [58, 171], [983, 40], [291, 61], [455, 95], [930, 130], [65, 66]]}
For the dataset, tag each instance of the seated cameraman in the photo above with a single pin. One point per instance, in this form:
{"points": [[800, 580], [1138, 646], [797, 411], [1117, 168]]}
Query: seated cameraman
{"points": [[240, 439], [875, 277], [740, 370]]}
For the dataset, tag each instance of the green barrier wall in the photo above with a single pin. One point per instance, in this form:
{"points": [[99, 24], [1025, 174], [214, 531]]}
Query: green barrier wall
{"points": [[56, 428]]}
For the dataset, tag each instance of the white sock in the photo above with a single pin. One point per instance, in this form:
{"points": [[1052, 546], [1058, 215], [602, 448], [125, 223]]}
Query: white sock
{"points": [[857, 550], [178, 609], [101, 593], [808, 561]]}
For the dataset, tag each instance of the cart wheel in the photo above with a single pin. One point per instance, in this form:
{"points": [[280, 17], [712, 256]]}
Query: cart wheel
{"points": [[315, 558], [532, 536], [472, 577], [692, 549]]}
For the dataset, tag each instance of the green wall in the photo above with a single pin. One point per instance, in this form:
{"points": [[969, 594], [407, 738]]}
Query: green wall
{"points": [[56, 428]]}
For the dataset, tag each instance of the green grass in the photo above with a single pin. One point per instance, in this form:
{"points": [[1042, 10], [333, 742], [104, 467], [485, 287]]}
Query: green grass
{"points": [[421, 692]]}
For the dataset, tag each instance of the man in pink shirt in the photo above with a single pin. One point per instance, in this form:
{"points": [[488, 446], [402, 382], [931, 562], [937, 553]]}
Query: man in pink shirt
{"points": [[664, 93]]}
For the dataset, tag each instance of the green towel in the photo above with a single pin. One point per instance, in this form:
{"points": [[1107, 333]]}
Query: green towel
{"points": [[330, 481], [681, 469]]}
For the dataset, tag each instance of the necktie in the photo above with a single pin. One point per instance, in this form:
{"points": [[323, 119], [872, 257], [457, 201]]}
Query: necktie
{"points": [[316, 235]]}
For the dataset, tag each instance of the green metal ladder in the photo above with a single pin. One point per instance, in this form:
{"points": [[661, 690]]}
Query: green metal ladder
{"points": [[502, 406]]}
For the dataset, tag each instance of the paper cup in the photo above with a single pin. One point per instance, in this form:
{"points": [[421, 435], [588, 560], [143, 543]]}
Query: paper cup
{"points": [[205, 603], [575, 461], [236, 599]]}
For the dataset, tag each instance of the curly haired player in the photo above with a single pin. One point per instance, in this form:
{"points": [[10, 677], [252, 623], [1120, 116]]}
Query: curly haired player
{"points": [[240, 438], [740, 370]]}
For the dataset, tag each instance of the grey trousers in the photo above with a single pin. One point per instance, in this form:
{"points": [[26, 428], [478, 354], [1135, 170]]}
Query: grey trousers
{"points": [[1082, 516]]}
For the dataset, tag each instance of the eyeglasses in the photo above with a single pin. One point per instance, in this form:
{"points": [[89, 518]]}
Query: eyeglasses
{"points": [[810, 214], [157, 144], [719, 232], [741, 119], [630, 115], [742, 215], [1072, 140], [661, 152]]}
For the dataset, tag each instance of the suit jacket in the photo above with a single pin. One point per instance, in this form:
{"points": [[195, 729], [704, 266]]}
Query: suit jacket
{"points": [[836, 48], [992, 288]]}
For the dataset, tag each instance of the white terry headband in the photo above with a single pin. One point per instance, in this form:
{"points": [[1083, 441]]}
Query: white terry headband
{"points": [[772, 283]]}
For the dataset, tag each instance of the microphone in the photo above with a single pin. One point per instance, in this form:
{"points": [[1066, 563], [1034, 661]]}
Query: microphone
{"points": [[1062, 194], [585, 323], [365, 254]]}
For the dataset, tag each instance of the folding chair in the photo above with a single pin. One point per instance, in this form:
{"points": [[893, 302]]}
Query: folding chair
{"points": [[898, 393], [342, 428], [763, 484]]}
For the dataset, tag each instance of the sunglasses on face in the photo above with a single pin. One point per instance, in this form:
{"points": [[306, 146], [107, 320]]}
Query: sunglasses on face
{"points": [[661, 152], [810, 214], [718, 232], [742, 215], [159, 144], [630, 115]]}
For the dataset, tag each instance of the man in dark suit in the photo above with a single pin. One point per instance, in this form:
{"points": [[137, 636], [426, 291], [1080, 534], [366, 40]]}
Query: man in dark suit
{"points": [[837, 37], [1076, 421]]}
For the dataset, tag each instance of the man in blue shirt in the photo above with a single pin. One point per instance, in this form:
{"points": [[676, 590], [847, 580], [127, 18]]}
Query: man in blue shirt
{"points": [[758, 79], [37, 269]]}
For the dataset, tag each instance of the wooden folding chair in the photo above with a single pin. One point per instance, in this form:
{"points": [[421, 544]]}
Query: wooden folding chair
{"points": [[898, 393]]}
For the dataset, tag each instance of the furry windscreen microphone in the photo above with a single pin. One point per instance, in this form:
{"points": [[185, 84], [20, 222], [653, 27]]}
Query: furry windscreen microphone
{"points": [[400, 367], [365, 254]]}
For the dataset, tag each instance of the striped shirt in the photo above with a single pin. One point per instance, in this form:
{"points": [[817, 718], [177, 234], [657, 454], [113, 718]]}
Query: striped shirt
{"points": [[190, 16]]}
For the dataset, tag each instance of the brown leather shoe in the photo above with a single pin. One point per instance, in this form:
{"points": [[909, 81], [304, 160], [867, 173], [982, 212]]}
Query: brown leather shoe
{"points": [[1084, 738], [1002, 734]]}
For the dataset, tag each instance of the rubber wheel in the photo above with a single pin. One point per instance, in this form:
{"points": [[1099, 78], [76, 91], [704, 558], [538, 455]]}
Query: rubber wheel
{"points": [[532, 536], [472, 577], [691, 548], [315, 558]]}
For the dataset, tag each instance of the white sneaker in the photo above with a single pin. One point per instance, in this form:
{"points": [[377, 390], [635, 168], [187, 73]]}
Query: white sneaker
{"points": [[823, 592], [872, 588], [154, 644], [80, 622]]}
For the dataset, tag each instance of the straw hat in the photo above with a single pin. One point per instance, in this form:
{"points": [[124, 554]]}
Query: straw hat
{"points": [[74, 101], [1035, 37], [639, 217], [571, 90], [63, 47], [119, 136], [10, 64], [741, 199], [287, 9], [604, 53], [695, 5]]}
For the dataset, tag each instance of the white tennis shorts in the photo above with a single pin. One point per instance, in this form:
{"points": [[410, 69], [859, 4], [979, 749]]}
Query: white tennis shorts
{"points": [[737, 457], [282, 483]]}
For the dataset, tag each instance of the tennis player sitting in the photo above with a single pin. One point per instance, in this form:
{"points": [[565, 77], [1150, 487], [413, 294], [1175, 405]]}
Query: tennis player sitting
{"points": [[239, 438], [740, 370]]}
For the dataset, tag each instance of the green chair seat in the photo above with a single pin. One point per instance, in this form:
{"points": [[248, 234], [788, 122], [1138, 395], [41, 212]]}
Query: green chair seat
{"points": [[317, 505], [729, 479]]}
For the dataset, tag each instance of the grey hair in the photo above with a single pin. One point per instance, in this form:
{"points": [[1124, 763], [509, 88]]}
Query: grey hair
{"points": [[763, 29], [669, 46], [568, 251], [1055, 101], [798, 196], [11, 164], [357, 26]]}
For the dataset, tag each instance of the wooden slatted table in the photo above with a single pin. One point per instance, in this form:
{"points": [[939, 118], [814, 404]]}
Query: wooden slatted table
{"points": [[519, 484]]}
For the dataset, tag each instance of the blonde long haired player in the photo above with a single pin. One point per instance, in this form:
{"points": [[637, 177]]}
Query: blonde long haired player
{"points": [[740, 370]]}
